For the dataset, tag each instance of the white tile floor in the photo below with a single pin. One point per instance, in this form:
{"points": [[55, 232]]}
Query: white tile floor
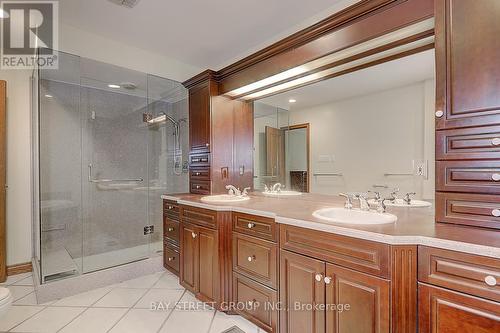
{"points": [[121, 308]]}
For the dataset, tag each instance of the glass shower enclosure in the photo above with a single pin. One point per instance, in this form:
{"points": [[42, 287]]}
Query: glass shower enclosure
{"points": [[107, 142]]}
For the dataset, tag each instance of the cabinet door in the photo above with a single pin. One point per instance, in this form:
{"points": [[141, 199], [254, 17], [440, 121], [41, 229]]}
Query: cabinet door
{"points": [[189, 274], [443, 311], [299, 286], [467, 53], [368, 298], [208, 264], [199, 118]]}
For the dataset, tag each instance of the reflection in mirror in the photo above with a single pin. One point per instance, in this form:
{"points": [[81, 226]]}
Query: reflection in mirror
{"points": [[370, 130]]}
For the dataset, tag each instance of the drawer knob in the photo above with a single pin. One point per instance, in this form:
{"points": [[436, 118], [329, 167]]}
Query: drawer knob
{"points": [[250, 225], [197, 173], [170, 207], [495, 141], [198, 187], [319, 277], [207, 144], [495, 212], [495, 176], [171, 258], [439, 113], [490, 280], [251, 258], [193, 235], [170, 229], [328, 280]]}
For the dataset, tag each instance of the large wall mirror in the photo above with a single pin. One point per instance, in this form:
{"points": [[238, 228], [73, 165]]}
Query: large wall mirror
{"points": [[368, 130]]}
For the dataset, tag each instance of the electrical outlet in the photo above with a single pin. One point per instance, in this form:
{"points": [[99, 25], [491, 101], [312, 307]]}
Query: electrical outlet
{"points": [[149, 229]]}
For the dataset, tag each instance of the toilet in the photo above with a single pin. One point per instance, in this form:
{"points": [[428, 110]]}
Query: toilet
{"points": [[5, 301]]}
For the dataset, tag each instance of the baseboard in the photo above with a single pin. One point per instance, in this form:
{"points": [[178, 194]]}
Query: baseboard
{"points": [[19, 268]]}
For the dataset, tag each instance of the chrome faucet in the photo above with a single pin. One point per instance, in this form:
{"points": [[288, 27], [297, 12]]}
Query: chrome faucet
{"points": [[394, 194], [348, 200], [233, 190], [363, 202], [376, 194], [407, 198], [381, 204], [245, 191], [277, 187]]}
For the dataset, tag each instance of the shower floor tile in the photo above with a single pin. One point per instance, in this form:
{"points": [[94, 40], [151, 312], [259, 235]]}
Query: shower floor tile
{"points": [[123, 307]]}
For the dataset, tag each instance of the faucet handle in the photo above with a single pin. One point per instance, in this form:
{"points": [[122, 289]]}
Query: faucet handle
{"points": [[245, 191], [376, 194], [407, 198], [348, 201]]}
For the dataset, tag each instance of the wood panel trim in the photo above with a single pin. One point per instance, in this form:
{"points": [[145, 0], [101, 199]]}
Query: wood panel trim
{"points": [[19, 268], [3, 163], [404, 288]]}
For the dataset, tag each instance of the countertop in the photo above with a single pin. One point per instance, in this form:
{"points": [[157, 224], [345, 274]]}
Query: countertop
{"points": [[414, 225]]}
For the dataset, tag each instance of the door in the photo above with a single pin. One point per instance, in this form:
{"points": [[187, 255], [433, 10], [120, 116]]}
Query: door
{"points": [[275, 154], [199, 118], [467, 53], [208, 264], [3, 163], [301, 289], [443, 311], [189, 273], [368, 298], [115, 170]]}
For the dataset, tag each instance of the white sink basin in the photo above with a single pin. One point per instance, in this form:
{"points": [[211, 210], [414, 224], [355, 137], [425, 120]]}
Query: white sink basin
{"points": [[223, 198], [402, 203], [354, 216], [282, 193]]}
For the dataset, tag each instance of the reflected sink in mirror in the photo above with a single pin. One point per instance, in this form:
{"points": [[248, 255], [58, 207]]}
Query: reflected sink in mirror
{"points": [[224, 198], [402, 203], [354, 216], [282, 194]]}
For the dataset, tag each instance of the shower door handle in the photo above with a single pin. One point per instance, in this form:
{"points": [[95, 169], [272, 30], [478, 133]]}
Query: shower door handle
{"points": [[111, 180]]}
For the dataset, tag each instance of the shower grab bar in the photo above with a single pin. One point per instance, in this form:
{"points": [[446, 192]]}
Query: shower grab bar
{"points": [[115, 180], [97, 181], [328, 174]]}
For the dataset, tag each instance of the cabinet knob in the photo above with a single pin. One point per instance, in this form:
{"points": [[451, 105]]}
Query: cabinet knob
{"points": [[490, 280], [319, 277], [439, 113], [170, 229], [328, 280], [250, 225], [495, 141], [170, 207], [193, 234], [171, 258], [495, 176], [495, 212], [207, 144], [251, 303], [251, 258], [198, 187], [197, 173]]}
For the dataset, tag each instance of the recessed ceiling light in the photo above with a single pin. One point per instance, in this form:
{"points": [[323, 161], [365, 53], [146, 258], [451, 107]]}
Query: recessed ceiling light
{"points": [[3, 14], [291, 100], [114, 86], [49, 96]]}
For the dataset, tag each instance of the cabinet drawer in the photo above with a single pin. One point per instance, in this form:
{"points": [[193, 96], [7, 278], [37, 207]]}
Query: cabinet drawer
{"points": [[443, 311], [199, 216], [171, 258], [468, 273], [199, 187], [171, 230], [171, 209], [257, 226], [468, 176], [255, 258], [478, 210], [199, 160], [468, 143], [257, 301], [365, 256], [199, 173]]}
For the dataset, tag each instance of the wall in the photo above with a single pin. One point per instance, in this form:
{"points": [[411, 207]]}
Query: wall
{"points": [[81, 43], [365, 137]]}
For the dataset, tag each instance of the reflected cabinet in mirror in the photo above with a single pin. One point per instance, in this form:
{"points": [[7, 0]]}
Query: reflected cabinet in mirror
{"points": [[369, 131]]}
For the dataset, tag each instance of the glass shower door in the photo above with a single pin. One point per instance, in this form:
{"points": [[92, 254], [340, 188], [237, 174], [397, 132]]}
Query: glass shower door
{"points": [[115, 142]]}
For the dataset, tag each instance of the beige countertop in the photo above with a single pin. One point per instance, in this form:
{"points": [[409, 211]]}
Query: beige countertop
{"points": [[414, 225]]}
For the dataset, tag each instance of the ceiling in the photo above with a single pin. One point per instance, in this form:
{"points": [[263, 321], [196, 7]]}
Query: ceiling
{"points": [[206, 34], [396, 73]]}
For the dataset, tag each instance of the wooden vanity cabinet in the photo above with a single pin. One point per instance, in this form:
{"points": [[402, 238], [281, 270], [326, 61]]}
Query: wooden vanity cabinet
{"points": [[467, 112], [220, 137]]}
